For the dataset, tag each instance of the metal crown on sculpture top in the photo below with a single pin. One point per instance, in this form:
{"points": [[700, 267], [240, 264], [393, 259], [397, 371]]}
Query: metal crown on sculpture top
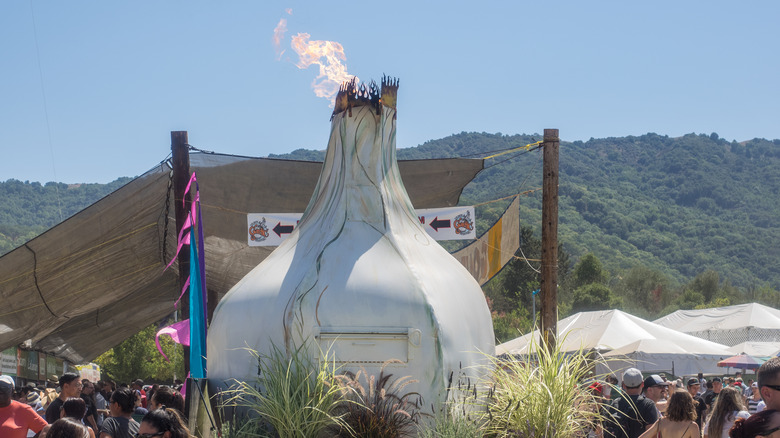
{"points": [[359, 276]]}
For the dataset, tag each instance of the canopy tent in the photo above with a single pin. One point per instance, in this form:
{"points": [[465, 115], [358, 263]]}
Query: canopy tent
{"points": [[661, 355], [756, 349], [93, 280], [727, 325], [629, 341]]}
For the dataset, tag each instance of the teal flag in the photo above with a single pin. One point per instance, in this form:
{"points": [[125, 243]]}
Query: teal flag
{"points": [[197, 314]]}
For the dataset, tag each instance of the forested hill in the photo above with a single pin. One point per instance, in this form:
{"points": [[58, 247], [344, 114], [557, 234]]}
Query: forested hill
{"points": [[27, 209], [680, 206]]}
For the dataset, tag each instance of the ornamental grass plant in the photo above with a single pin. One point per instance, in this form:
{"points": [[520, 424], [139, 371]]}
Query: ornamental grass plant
{"points": [[544, 395], [461, 416], [376, 406], [241, 426], [451, 425], [293, 396]]}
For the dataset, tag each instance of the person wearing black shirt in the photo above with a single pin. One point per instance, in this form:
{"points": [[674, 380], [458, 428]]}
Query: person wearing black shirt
{"points": [[70, 387], [698, 401], [632, 414], [711, 396]]}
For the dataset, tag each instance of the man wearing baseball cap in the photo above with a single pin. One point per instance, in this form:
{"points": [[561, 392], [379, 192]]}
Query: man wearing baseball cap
{"points": [[754, 399], [710, 397], [16, 418], [694, 385], [633, 413], [653, 388]]}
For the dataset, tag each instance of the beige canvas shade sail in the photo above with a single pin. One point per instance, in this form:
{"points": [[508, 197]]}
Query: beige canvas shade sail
{"points": [[98, 277]]}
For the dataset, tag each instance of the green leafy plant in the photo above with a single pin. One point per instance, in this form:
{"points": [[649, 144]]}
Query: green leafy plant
{"points": [[376, 406], [542, 395], [293, 396]]}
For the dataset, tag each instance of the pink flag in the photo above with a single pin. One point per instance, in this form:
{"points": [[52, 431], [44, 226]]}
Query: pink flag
{"points": [[178, 331]]}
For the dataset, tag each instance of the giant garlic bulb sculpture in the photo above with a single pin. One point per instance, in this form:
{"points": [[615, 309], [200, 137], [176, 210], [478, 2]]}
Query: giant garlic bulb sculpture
{"points": [[359, 275]]}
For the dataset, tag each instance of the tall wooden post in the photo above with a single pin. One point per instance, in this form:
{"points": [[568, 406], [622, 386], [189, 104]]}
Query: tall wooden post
{"points": [[181, 176], [549, 284]]}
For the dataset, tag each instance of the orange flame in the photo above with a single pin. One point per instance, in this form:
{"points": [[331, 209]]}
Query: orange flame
{"points": [[329, 56]]}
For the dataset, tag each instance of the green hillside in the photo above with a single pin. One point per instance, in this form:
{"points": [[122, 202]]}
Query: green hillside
{"points": [[28, 209], [649, 223]]}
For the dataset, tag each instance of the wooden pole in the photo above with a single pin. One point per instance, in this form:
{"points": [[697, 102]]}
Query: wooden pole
{"points": [[549, 283], [181, 176]]}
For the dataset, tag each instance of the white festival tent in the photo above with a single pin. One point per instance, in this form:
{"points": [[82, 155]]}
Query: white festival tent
{"points": [[629, 341], [728, 325], [757, 349]]}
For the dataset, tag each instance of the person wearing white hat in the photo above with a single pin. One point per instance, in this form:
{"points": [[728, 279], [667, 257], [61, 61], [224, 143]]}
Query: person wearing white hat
{"points": [[754, 399], [631, 414], [16, 418]]}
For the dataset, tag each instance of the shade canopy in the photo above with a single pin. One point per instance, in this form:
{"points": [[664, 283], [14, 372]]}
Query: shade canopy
{"points": [[98, 277], [608, 330], [629, 341], [756, 349], [729, 325]]}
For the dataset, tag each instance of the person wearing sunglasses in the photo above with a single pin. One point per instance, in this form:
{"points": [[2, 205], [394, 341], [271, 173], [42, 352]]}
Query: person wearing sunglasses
{"points": [[762, 424], [70, 386], [163, 423], [769, 383]]}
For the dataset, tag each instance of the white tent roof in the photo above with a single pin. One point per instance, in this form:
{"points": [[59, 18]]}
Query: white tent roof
{"points": [[722, 318], [650, 346], [728, 325], [609, 330], [631, 341], [756, 349]]}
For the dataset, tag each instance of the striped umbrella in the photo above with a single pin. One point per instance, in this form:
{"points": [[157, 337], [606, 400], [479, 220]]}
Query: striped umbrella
{"points": [[743, 361]]}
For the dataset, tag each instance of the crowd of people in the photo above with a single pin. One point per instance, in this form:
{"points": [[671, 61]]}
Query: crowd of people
{"points": [[655, 407], [71, 407], [651, 407]]}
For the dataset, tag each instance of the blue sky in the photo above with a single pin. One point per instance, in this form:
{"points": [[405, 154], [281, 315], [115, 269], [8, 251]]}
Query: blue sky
{"points": [[90, 90]]}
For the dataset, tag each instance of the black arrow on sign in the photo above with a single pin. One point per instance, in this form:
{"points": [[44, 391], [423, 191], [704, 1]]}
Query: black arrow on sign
{"points": [[280, 229], [436, 223]]}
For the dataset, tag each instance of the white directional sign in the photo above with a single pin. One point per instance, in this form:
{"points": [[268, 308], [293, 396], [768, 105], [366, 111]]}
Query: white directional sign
{"points": [[270, 229], [451, 223]]}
